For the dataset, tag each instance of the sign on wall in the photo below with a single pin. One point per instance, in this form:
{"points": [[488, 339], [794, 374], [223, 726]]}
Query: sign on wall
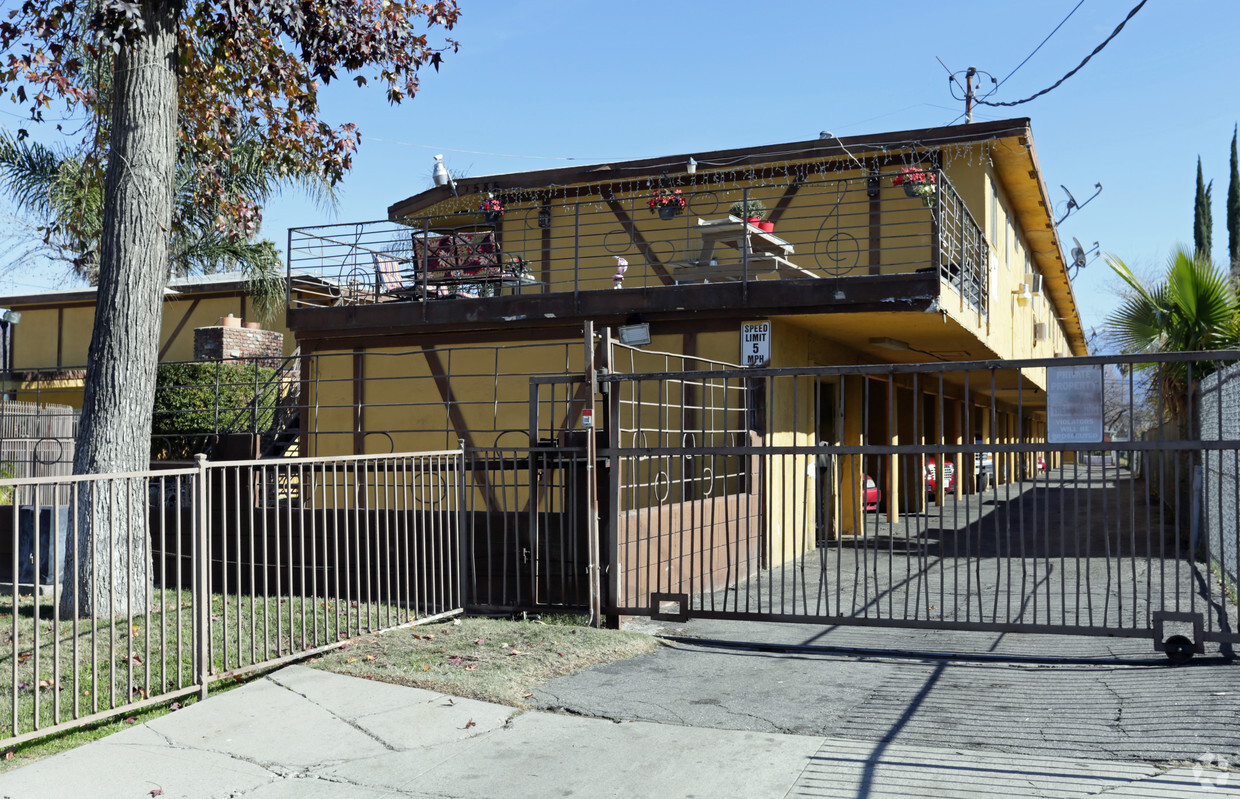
{"points": [[756, 343], [1074, 404]]}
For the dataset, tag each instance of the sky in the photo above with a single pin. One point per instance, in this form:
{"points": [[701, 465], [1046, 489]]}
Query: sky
{"points": [[543, 83]]}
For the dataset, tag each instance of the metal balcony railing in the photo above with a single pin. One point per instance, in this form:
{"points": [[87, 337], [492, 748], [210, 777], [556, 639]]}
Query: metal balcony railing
{"points": [[838, 227]]}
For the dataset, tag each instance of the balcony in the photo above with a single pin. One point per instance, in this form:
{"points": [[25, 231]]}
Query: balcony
{"points": [[557, 249]]}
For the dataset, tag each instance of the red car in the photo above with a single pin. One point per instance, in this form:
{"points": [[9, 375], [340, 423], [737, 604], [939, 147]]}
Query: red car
{"points": [[872, 495], [949, 480]]}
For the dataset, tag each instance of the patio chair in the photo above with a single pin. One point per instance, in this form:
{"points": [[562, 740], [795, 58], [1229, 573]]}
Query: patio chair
{"points": [[465, 258]]}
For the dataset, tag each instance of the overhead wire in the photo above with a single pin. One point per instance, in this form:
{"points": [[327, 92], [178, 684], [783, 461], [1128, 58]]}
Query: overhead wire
{"points": [[1077, 68], [1044, 41]]}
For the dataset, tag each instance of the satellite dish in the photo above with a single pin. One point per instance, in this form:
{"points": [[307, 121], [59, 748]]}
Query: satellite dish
{"points": [[1078, 252], [1071, 200]]}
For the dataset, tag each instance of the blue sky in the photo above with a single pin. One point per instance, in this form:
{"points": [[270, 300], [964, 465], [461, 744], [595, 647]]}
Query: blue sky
{"points": [[544, 83]]}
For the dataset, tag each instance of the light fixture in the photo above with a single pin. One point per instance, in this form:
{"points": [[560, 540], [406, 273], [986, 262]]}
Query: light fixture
{"points": [[1022, 294], [441, 176], [635, 335], [691, 167], [10, 317], [888, 343], [544, 217]]}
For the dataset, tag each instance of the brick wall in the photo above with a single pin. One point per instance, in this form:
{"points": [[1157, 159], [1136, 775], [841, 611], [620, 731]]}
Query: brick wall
{"points": [[239, 345]]}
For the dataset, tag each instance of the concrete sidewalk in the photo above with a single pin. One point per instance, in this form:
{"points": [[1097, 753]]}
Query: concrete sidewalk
{"points": [[307, 733]]}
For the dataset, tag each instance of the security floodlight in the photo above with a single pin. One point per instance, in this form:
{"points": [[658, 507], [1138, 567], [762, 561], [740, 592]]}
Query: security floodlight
{"points": [[635, 335]]}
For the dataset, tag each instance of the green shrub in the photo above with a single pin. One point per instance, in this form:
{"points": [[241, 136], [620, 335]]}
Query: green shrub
{"points": [[748, 209], [196, 401]]}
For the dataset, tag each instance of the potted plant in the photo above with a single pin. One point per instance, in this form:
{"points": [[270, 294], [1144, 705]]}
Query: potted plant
{"points": [[492, 209], [752, 212], [917, 182], [667, 203]]}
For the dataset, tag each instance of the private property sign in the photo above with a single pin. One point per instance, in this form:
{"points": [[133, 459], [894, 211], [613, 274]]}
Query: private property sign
{"points": [[756, 343], [1074, 404]]}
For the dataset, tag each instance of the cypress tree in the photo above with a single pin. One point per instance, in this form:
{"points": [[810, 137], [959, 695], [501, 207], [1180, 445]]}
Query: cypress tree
{"points": [[1233, 209], [1201, 214]]}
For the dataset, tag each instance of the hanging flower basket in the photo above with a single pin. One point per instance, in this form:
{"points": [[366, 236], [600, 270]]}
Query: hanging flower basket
{"points": [[917, 182], [492, 210], [667, 203]]}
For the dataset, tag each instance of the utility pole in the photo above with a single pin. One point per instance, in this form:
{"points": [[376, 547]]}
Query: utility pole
{"points": [[968, 94]]}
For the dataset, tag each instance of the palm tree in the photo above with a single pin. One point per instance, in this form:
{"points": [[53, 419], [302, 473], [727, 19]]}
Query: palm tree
{"points": [[1194, 308], [64, 190]]}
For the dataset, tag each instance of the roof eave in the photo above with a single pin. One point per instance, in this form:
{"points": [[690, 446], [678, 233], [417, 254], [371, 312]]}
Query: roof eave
{"points": [[812, 148]]}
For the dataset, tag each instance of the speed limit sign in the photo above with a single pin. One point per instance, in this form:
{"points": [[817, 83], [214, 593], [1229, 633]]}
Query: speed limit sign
{"points": [[756, 343]]}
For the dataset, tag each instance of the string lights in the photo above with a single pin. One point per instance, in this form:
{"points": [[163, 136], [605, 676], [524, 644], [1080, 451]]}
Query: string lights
{"points": [[723, 175]]}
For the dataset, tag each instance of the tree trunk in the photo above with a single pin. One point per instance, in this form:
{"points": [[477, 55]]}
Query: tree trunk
{"points": [[110, 575]]}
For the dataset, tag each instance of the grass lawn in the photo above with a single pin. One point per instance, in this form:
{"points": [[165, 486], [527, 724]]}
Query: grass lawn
{"points": [[96, 667], [493, 660], [55, 670]]}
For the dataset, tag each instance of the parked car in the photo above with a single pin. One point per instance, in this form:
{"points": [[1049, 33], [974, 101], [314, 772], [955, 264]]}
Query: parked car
{"points": [[949, 476], [984, 468], [872, 494]]}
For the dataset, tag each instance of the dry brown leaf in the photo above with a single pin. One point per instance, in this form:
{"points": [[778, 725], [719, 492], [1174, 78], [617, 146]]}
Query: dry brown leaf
{"points": [[351, 660]]}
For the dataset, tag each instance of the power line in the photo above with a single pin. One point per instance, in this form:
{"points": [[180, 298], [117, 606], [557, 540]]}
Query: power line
{"points": [[1044, 41], [1097, 50]]}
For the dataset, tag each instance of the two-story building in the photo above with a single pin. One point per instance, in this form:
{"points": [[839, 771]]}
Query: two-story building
{"points": [[934, 245]]}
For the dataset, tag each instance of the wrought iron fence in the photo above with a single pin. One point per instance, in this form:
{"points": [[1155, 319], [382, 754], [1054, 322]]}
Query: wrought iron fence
{"points": [[999, 495], [191, 574]]}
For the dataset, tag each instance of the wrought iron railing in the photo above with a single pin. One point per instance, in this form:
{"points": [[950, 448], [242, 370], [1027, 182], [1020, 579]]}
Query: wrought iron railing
{"points": [[839, 227]]}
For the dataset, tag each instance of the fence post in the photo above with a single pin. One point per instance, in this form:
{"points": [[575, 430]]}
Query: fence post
{"points": [[592, 532], [202, 575], [462, 529]]}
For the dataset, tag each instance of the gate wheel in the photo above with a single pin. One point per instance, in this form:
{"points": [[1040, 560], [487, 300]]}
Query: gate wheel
{"points": [[1179, 649]]}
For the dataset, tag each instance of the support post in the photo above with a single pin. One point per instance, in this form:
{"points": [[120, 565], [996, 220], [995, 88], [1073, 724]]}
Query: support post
{"points": [[592, 533], [202, 574]]}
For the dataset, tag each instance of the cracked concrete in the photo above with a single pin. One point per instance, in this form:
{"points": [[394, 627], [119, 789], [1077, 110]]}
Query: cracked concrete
{"points": [[307, 733], [889, 685]]}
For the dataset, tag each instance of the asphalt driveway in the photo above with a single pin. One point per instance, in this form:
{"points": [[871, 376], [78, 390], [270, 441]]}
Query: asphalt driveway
{"points": [[1058, 696]]}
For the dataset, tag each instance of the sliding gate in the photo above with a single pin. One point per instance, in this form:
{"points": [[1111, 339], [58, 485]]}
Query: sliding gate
{"points": [[1045, 496]]}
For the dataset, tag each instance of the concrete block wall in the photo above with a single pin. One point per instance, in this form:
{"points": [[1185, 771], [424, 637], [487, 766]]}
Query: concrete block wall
{"points": [[1217, 414]]}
